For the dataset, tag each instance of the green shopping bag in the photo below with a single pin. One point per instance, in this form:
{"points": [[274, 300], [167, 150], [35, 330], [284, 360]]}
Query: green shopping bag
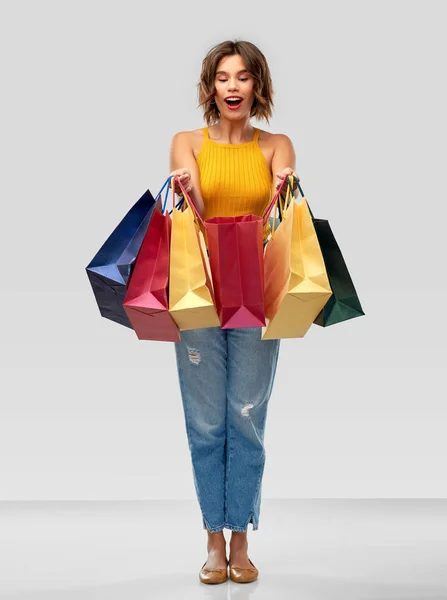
{"points": [[344, 304]]}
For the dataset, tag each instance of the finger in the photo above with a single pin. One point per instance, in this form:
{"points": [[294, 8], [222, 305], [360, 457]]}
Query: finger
{"points": [[288, 173]]}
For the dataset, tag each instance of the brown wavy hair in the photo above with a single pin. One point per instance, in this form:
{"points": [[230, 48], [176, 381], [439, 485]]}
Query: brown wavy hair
{"points": [[254, 61]]}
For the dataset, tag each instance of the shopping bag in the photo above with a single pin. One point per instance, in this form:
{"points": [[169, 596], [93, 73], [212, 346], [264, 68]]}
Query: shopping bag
{"points": [[296, 283], [146, 300], [344, 304], [235, 246], [191, 298], [111, 267]]}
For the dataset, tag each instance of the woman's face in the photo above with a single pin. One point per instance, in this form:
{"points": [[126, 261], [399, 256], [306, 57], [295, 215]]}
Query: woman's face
{"points": [[232, 79]]}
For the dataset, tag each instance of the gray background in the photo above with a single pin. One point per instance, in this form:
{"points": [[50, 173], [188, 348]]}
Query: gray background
{"points": [[92, 93]]}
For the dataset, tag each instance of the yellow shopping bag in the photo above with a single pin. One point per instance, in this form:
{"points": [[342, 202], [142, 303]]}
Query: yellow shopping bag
{"points": [[296, 283], [191, 298]]}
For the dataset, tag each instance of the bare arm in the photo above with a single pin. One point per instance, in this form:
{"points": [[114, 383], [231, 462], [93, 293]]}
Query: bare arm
{"points": [[182, 158], [283, 161]]}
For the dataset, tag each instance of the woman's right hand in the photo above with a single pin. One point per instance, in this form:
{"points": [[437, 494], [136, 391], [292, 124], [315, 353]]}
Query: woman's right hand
{"points": [[185, 179]]}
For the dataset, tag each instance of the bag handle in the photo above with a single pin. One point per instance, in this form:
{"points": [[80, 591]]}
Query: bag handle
{"points": [[165, 201], [268, 210], [282, 209], [189, 201], [167, 192], [275, 198], [302, 194]]}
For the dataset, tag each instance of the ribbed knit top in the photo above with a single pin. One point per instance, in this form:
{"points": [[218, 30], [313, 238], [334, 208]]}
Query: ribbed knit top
{"points": [[235, 178]]}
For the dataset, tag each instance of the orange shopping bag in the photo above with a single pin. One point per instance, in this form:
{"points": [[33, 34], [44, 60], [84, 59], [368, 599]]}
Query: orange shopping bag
{"points": [[296, 282]]}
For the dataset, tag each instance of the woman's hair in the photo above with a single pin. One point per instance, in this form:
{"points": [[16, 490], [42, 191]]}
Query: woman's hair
{"points": [[256, 64]]}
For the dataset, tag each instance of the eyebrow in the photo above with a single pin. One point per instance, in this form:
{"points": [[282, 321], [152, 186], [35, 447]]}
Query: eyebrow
{"points": [[225, 73]]}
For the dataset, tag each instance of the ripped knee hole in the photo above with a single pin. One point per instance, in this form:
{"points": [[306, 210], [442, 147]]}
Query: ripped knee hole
{"points": [[194, 356], [245, 410]]}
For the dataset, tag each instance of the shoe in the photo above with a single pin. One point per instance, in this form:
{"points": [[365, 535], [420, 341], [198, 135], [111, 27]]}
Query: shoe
{"points": [[244, 575], [213, 575]]}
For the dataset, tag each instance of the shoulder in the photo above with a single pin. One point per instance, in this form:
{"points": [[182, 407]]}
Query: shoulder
{"points": [[282, 141], [181, 137], [188, 139], [188, 136], [282, 137], [283, 151], [274, 140]]}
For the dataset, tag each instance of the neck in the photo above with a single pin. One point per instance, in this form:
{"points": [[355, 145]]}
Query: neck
{"points": [[233, 132]]}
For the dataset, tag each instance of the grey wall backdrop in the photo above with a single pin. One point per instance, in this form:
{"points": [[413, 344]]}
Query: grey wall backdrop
{"points": [[92, 93]]}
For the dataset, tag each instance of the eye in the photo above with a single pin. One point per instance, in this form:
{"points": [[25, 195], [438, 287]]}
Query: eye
{"points": [[241, 78]]}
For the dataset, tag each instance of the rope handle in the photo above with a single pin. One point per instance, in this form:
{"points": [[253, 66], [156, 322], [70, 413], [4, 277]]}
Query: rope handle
{"points": [[267, 211], [166, 196], [275, 198], [189, 201], [282, 207], [302, 194]]}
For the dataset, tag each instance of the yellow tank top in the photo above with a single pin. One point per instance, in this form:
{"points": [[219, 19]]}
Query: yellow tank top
{"points": [[235, 178]]}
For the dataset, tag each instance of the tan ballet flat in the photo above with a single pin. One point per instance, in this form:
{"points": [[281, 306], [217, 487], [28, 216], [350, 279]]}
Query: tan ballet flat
{"points": [[213, 575], [244, 575]]}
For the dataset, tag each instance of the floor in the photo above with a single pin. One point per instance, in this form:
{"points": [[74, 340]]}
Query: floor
{"points": [[304, 549]]}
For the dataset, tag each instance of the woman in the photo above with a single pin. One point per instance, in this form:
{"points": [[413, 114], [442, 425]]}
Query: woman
{"points": [[226, 376]]}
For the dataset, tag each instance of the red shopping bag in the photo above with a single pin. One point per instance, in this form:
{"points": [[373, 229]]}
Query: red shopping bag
{"points": [[236, 253], [235, 247], [146, 302]]}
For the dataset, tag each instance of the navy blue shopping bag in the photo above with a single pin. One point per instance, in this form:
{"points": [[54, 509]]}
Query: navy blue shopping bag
{"points": [[110, 269]]}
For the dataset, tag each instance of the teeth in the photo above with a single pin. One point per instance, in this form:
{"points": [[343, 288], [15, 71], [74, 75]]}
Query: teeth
{"points": [[233, 98]]}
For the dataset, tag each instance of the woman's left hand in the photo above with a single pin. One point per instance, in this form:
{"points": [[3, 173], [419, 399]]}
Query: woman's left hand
{"points": [[286, 171]]}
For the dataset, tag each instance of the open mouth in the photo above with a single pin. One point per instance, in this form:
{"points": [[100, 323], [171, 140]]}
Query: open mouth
{"points": [[233, 103]]}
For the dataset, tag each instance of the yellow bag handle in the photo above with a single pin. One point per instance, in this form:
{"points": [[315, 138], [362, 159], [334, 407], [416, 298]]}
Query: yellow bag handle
{"points": [[186, 199], [282, 208]]}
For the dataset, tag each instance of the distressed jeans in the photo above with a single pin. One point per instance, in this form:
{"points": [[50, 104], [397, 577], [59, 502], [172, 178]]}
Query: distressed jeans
{"points": [[226, 378]]}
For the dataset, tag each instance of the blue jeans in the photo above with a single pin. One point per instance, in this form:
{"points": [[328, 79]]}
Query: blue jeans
{"points": [[226, 378]]}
